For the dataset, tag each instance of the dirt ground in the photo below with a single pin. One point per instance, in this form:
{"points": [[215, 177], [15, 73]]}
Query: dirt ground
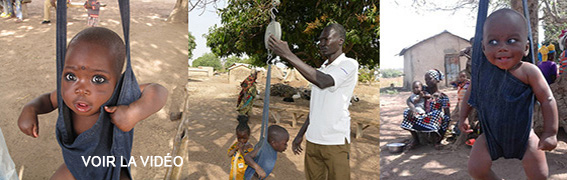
{"points": [[213, 122], [427, 163], [27, 63]]}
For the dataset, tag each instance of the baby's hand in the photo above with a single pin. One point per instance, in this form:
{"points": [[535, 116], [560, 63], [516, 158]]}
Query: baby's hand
{"points": [[28, 122], [121, 116], [547, 142]]}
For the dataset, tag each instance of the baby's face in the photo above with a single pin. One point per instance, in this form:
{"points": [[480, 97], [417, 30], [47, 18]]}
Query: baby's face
{"points": [[416, 88], [281, 145], [242, 137], [505, 42], [88, 78]]}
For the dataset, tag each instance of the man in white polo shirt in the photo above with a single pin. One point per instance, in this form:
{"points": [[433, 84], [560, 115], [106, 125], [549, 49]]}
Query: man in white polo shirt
{"points": [[327, 128]]}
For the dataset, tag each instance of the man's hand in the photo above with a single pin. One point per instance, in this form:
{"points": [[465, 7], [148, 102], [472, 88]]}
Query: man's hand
{"points": [[27, 122], [122, 117], [279, 47], [296, 145]]}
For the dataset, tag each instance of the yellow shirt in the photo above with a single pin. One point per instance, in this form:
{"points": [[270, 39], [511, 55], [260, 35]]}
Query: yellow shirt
{"points": [[237, 164]]}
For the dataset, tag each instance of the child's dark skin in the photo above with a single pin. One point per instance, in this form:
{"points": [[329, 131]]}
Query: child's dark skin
{"points": [[504, 44], [279, 144], [242, 137], [88, 80]]}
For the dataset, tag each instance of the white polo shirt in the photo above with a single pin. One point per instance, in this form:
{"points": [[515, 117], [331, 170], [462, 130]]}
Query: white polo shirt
{"points": [[329, 118]]}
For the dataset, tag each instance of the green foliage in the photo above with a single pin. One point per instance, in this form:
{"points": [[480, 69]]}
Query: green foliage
{"points": [[192, 45], [391, 73], [366, 75], [244, 23], [208, 59]]}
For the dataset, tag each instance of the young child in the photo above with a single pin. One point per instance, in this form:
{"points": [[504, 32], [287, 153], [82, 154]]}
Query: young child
{"points": [[261, 163], [502, 90], [417, 99], [93, 8], [462, 84], [239, 149], [90, 78]]}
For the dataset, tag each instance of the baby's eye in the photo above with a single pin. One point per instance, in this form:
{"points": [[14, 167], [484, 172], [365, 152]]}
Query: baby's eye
{"points": [[97, 79], [512, 41], [70, 77], [493, 42]]}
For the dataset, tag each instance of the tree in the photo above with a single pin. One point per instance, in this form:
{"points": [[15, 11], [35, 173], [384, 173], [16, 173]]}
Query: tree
{"points": [[179, 14], [192, 45], [235, 59], [244, 23], [554, 19], [208, 59]]}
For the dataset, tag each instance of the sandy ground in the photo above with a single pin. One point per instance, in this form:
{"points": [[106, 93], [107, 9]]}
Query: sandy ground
{"points": [[27, 63], [427, 163], [213, 120]]}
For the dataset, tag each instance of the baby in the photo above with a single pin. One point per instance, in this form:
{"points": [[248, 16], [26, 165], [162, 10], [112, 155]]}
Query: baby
{"points": [[94, 61], [417, 99], [239, 149], [502, 90], [261, 163]]}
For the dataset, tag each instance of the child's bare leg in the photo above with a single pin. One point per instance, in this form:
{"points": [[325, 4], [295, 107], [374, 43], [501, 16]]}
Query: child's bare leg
{"points": [[62, 173], [534, 161], [479, 161]]}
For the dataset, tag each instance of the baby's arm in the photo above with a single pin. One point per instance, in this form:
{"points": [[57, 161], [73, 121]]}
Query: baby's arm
{"points": [[27, 121], [548, 139], [249, 159], [152, 100]]}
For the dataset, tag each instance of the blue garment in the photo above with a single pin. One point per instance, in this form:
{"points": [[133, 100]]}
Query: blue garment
{"points": [[265, 158], [505, 108]]}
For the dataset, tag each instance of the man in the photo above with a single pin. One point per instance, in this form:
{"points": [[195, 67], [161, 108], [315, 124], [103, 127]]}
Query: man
{"points": [[327, 128]]}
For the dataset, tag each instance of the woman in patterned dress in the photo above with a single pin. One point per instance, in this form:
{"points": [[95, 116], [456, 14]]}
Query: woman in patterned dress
{"points": [[436, 118]]}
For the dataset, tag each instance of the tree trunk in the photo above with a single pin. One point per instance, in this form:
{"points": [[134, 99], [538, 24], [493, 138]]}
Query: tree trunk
{"points": [[180, 13], [534, 19], [559, 89]]}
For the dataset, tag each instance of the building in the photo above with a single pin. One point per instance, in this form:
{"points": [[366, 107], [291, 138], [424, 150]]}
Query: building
{"points": [[440, 52]]}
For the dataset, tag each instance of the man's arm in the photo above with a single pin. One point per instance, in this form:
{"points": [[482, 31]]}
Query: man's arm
{"points": [[314, 76], [125, 117], [296, 145], [27, 122]]}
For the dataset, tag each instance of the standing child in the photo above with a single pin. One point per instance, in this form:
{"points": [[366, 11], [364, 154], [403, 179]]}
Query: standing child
{"points": [[239, 149], [93, 8], [91, 89], [563, 55], [502, 90]]}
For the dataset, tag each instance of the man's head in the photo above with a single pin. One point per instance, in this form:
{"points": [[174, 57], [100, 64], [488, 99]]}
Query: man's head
{"points": [[505, 38], [331, 40], [278, 137], [93, 64]]}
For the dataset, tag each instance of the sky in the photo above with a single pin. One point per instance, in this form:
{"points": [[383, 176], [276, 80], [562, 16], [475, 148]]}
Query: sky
{"points": [[199, 23], [402, 26]]}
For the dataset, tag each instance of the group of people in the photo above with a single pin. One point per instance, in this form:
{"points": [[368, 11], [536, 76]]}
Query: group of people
{"points": [[13, 8], [501, 89], [327, 127]]}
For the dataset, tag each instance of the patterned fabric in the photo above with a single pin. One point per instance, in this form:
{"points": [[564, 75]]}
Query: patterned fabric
{"points": [[434, 120], [563, 62], [247, 94], [237, 164], [435, 74]]}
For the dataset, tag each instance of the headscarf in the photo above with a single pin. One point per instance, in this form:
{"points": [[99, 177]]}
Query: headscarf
{"points": [[562, 39], [435, 74], [551, 48], [543, 51]]}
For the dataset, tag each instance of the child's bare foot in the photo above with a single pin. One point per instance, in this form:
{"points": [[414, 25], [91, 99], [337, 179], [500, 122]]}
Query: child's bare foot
{"points": [[411, 145]]}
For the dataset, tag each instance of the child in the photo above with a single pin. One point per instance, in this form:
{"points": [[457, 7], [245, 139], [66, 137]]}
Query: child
{"points": [[502, 90], [93, 8], [462, 84], [417, 99], [94, 62], [261, 163], [563, 55], [239, 149]]}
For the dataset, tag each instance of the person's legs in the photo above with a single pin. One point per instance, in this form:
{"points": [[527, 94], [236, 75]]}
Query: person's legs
{"points": [[62, 173], [337, 159], [8, 10], [46, 11], [479, 161], [19, 13], [315, 168], [534, 161], [414, 141]]}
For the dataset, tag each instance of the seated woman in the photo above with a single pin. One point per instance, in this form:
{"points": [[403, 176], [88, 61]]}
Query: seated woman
{"points": [[437, 115]]}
